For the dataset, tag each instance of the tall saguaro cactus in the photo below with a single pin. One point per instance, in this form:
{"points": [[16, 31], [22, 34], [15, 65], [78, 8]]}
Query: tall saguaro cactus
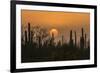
{"points": [[62, 39], [75, 39], [26, 39], [85, 41], [82, 39], [29, 33], [71, 39]]}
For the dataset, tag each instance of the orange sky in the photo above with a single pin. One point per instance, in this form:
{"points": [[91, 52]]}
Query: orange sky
{"points": [[62, 21]]}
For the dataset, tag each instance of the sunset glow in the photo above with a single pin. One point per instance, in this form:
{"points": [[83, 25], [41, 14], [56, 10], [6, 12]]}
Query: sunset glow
{"points": [[57, 22], [54, 31]]}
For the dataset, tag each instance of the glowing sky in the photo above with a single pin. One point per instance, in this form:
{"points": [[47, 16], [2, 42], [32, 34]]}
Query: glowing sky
{"points": [[63, 22]]}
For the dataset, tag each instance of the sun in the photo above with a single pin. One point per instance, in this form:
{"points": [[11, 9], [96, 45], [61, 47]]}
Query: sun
{"points": [[54, 31]]}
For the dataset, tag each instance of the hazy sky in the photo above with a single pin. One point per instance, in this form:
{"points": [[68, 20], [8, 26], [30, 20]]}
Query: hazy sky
{"points": [[63, 22]]}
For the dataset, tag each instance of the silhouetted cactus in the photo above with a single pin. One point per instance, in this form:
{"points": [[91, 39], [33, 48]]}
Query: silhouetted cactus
{"points": [[85, 46], [39, 42], [31, 37], [22, 36], [82, 39], [59, 43], [71, 39], [75, 39], [52, 40], [29, 32], [62, 39], [26, 39], [88, 44]]}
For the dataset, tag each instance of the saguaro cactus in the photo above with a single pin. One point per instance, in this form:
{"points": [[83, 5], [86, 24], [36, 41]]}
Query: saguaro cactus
{"points": [[29, 33], [26, 37], [85, 41], [71, 39], [82, 39], [62, 39], [75, 39]]}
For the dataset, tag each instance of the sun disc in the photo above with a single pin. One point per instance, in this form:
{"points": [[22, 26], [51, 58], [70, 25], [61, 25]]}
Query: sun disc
{"points": [[54, 31]]}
